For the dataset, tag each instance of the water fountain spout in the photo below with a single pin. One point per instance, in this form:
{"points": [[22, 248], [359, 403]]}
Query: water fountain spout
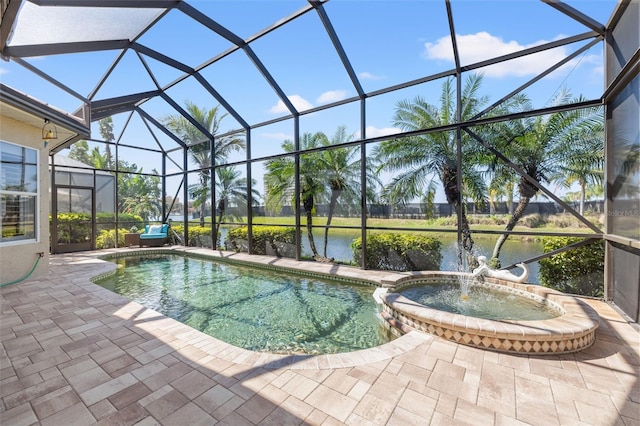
{"points": [[485, 270]]}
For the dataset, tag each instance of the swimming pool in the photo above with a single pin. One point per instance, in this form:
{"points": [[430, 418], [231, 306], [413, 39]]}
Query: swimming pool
{"points": [[253, 308], [481, 302]]}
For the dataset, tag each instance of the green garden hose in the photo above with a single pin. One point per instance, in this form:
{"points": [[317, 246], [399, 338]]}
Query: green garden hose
{"points": [[35, 265]]}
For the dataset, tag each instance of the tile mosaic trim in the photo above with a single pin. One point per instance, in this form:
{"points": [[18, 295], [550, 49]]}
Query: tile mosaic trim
{"points": [[563, 344]]}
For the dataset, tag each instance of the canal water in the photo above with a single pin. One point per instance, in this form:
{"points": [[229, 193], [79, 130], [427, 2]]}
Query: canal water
{"points": [[515, 250]]}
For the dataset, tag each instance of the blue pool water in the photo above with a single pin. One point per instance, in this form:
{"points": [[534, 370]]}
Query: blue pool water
{"points": [[253, 308], [480, 302]]}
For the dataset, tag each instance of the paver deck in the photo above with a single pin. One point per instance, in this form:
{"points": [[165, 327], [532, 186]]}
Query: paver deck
{"points": [[74, 353]]}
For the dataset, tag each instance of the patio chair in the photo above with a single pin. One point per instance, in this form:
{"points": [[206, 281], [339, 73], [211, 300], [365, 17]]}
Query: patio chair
{"points": [[154, 235]]}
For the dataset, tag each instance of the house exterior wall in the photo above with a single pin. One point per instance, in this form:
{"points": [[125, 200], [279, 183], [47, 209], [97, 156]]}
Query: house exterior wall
{"points": [[17, 258]]}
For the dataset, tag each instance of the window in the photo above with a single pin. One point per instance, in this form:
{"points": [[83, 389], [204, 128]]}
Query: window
{"points": [[18, 193]]}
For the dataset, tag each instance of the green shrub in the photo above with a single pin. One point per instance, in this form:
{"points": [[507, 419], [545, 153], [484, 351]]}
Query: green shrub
{"points": [[74, 227], [199, 236], [566, 220], [399, 252], [498, 220], [106, 238], [532, 220], [271, 240], [443, 221], [125, 220], [577, 271], [171, 234]]}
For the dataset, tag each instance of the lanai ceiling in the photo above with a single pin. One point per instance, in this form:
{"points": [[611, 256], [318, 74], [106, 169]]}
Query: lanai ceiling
{"points": [[177, 47]]}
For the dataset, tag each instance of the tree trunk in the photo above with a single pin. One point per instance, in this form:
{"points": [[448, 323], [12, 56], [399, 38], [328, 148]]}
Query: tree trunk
{"points": [[467, 240], [510, 199], [450, 183], [308, 204], [583, 195], [202, 206], [107, 151], [332, 205], [522, 205], [312, 242], [204, 181], [221, 206]]}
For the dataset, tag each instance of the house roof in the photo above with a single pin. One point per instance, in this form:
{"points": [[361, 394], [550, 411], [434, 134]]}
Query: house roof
{"points": [[27, 109]]}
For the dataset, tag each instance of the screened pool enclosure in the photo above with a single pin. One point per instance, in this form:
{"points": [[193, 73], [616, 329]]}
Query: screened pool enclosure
{"points": [[341, 121]]}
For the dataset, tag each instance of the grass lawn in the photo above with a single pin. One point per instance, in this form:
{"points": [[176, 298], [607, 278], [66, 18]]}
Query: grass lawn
{"points": [[559, 223]]}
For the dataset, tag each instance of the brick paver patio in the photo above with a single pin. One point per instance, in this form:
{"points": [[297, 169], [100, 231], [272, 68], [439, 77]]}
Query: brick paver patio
{"points": [[74, 353]]}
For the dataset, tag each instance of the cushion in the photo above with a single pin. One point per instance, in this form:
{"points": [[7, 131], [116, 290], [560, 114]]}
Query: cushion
{"points": [[155, 229]]}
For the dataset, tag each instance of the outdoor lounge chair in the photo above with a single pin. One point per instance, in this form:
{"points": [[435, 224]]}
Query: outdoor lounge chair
{"points": [[154, 235]]}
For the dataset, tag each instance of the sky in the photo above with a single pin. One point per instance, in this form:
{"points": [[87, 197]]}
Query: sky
{"points": [[387, 42]]}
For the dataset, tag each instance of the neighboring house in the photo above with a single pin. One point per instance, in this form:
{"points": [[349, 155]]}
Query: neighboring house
{"points": [[25, 180]]}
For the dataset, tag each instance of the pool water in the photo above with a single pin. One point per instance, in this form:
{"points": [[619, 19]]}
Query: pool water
{"points": [[253, 308], [480, 302]]}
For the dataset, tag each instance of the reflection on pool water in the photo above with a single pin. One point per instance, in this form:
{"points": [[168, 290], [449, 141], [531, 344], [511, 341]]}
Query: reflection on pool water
{"points": [[480, 302], [253, 308]]}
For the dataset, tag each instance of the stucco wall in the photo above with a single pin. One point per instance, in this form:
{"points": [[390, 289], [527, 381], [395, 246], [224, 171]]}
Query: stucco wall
{"points": [[17, 259]]}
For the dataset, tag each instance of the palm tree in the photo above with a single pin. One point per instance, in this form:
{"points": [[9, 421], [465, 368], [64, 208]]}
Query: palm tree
{"points": [[80, 151], [340, 168], [99, 161], [106, 131], [584, 160], [231, 189], [200, 152], [137, 194], [126, 188], [419, 160], [92, 157], [280, 181], [546, 149], [498, 189], [143, 196]]}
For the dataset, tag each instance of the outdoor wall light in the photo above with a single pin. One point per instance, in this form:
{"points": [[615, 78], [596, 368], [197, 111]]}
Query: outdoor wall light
{"points": [[49, 131]]}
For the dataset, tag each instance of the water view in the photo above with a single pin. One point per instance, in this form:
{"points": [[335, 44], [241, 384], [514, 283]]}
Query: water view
{"points": [[514, 251]]}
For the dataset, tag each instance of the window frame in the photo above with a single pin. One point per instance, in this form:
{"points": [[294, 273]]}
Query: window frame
{"points": [[26, 194]]}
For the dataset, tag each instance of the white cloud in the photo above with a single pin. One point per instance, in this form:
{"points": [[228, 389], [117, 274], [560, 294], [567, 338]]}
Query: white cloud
{"points": [[368, 76], [298, 102], [598, 71], [596, 62], [331, 96], [276, 136], [3, 71], [374, 132], [481, 46]]}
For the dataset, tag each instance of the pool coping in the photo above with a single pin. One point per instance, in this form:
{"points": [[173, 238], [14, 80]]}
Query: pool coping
{"points": [[331, 271]]}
